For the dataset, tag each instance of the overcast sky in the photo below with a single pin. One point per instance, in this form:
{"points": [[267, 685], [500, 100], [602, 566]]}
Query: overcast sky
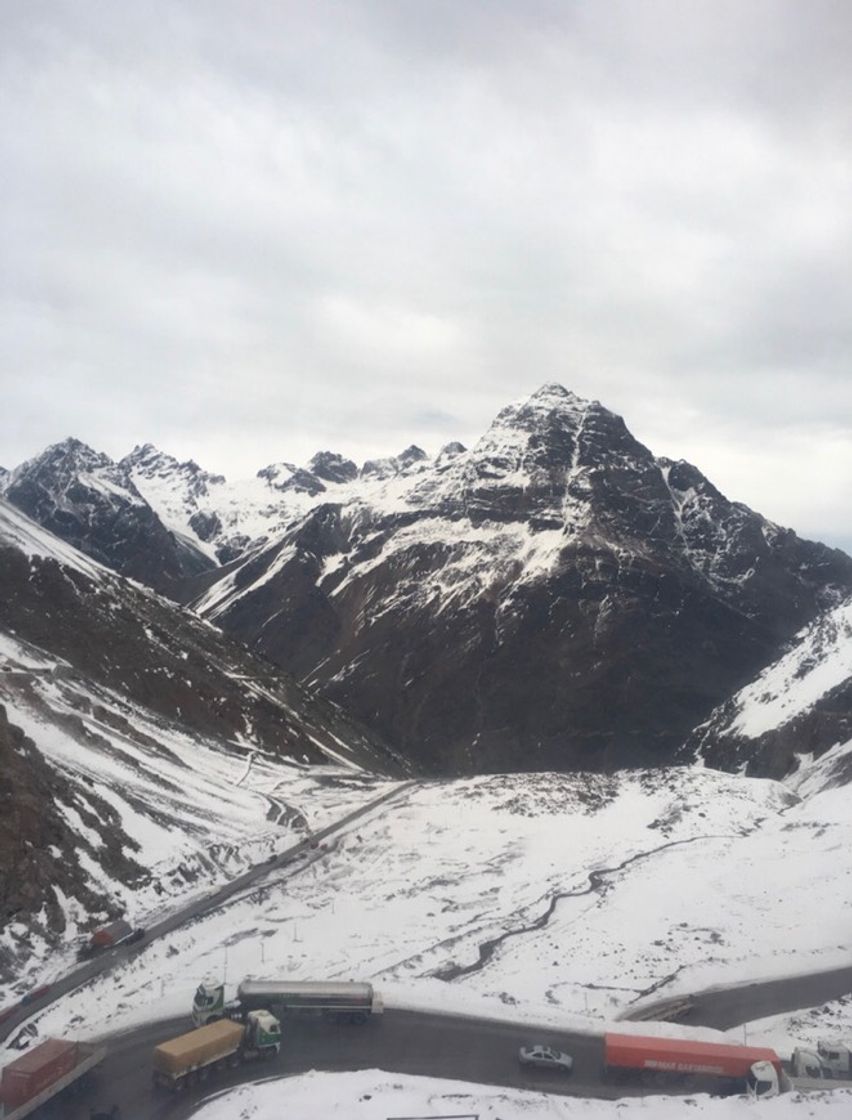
{"points": [[246, 231]]}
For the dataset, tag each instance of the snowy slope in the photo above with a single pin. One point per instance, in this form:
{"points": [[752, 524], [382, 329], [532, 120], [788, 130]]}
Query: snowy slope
{"points": [[139, 748], [795, 718], [186, 812], [554, 896], [374, 1095]]}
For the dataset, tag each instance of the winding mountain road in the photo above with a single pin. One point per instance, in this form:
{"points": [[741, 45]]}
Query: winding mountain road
{"points": [[195, 909], [401, 1041]]}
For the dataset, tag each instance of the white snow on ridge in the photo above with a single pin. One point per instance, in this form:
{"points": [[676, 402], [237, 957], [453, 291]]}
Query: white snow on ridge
{"points": [[18, 530], [820, 659], [376, 1095]]}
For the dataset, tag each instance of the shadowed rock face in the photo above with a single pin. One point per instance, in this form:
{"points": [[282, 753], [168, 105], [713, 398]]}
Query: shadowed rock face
{"points": [[91, 502], [556, 597]]}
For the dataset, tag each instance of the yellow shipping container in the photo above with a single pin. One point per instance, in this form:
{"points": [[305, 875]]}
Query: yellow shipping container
{"points": [[198, 1047]]}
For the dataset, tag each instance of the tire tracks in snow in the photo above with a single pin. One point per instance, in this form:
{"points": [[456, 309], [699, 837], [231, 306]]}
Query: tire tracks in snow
{"points": [[597, 884]]}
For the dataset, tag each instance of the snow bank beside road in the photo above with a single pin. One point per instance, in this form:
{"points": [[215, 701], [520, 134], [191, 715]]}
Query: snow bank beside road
{"points": [[375, 1095]]}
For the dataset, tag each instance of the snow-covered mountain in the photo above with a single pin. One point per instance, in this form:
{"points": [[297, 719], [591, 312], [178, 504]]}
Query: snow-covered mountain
{"points": [[794, 719], [554, 597], [231, 518], [88, 500], [143, 753]]}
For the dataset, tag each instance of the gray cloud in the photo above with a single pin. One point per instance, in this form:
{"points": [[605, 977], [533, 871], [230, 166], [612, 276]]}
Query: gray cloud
{"points": [[246, 231]]}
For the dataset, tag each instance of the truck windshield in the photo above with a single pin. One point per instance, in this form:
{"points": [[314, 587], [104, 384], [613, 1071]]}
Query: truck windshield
{"points": [[759, 1085], [204, 999]]}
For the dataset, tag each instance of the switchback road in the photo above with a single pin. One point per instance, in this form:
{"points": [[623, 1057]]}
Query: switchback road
{"points": [[195, 909]]}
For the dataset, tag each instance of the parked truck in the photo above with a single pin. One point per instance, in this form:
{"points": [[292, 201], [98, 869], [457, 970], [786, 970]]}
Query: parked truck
{"points": [[725, 1068], [43, 1072], [711, 1066], [119, 932], [827, 1067], [195, 1055], [345, 1002]]}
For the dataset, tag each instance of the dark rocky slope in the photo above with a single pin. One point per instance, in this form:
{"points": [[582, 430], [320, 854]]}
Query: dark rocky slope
{"points": [[39, 852]]}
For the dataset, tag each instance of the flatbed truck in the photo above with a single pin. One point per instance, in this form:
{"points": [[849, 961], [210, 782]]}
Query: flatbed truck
{"points": [[195, 1055]]}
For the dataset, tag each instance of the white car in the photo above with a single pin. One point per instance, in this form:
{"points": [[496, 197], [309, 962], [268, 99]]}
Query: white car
{"points": [[546, 1058]]}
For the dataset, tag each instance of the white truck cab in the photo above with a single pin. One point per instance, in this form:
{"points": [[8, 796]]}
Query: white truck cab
{"points": [[762, 1081], [830, 1061]]}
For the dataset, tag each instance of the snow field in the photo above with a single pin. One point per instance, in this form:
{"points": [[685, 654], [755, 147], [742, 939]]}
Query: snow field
{"points": [[375, 1095], [697, 878], [200, 811]]}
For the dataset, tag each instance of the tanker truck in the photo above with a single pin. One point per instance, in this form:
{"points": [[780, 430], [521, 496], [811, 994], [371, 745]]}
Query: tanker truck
{"points": [[195, 1055], [42, 1073], [713, 1067], [346, 1002]]}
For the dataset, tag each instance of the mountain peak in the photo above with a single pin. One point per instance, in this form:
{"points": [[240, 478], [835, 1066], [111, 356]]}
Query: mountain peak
{"points": [[331, 467], [554, 393]]}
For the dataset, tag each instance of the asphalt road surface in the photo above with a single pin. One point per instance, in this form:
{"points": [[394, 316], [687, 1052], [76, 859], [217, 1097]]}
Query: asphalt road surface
{"points": [[477, 1050], [729, 1007]]}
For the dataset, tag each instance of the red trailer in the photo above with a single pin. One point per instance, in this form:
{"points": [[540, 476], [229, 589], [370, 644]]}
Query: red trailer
{"points": [[35, 1070], [683, 1056], [39, 1074], [112, 934]]}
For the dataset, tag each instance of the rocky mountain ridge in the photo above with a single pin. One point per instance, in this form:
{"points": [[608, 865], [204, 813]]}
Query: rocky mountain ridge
{"points": [[556, 596], [88, 500]]}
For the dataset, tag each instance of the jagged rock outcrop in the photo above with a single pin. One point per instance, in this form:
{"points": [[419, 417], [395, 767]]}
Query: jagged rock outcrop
{"points": [[331, 467], [88, 500]]}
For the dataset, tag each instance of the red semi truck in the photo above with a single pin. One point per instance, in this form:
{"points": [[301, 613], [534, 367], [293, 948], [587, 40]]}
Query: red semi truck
{"points": [[119, 932], [718, 1066], [41, 1073]]}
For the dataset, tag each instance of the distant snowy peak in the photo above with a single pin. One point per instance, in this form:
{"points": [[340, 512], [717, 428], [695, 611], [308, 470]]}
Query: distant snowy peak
{"points": [[794, 719], [146, 461], [409, 461], [60, 467], [91, 502], [331, 467]]}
